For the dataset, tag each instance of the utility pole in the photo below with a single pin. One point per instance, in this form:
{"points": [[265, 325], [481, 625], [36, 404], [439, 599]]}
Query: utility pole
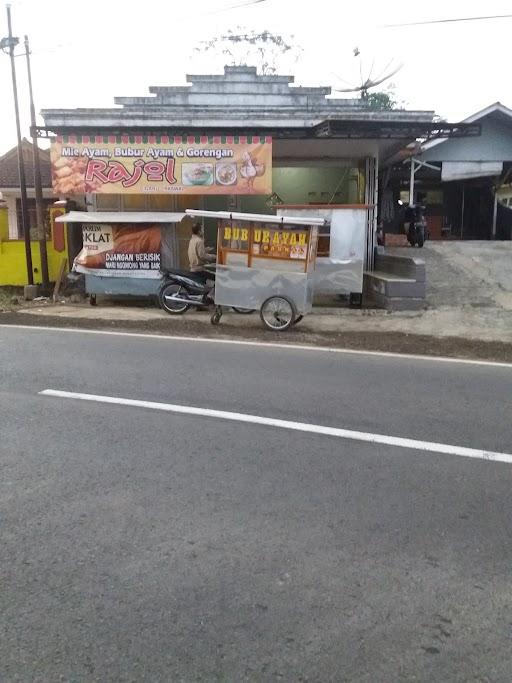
{"points": [[11, 43], [41, 232]]}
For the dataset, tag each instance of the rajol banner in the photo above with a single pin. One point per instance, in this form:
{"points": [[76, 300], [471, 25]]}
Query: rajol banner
{"points": [[160, 164]]}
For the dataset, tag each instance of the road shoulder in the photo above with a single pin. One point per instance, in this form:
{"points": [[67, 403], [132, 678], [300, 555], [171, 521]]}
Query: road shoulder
{"points": [[389, 342]]}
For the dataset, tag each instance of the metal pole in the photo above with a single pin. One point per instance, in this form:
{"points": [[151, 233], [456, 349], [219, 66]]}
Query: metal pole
{"points": [[494, 215], [37, 177], [21, 168], [462, 212], [411, 183]]}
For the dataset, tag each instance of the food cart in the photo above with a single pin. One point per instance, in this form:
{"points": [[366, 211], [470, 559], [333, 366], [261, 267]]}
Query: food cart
{"points": [[341, 246], [124, 252], [265, 263]]}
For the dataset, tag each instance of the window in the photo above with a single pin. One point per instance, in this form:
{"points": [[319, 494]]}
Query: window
{"points": [[324, 240], [32, 218]]}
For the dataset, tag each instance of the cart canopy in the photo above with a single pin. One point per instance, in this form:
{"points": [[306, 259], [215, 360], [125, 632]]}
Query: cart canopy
{"points": [[150, 217], [254, 217]]}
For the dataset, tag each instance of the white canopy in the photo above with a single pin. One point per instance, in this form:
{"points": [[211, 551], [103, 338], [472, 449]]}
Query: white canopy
{"points": [[263, 217], [465, 170], [120, 217]]}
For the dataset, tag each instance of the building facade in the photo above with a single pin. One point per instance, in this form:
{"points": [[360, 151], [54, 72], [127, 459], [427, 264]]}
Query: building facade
{"points": [[464, 181], [324, 150]]}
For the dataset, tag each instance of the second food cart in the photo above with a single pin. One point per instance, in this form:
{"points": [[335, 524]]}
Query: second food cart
{"points": [[265, 263]]}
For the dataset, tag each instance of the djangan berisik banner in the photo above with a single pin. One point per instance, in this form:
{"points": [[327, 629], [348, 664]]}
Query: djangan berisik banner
{"points": [[124, 164], [120, 250]]}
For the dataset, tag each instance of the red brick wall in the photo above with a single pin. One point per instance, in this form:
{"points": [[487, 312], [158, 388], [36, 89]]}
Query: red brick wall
{"points": [[393, 240], [435, 223]]}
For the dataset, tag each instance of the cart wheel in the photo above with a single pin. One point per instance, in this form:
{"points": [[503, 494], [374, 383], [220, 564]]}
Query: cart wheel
{"points": [[277, 313], [298, 319], [216, 315], [92, 299]]}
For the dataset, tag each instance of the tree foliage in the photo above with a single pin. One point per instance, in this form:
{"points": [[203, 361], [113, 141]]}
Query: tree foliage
{"points": [[269, 52], [381, 101]]}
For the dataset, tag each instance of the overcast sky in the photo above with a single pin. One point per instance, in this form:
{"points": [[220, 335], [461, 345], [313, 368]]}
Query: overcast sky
{"points": [[86, 53]]}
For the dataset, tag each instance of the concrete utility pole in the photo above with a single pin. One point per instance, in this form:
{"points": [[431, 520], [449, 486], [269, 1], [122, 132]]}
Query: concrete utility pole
{"points": [[41, 232], [11, 43]]}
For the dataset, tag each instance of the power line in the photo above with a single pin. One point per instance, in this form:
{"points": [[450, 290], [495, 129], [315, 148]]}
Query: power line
{"points": [[449, 21], [237, 6]]}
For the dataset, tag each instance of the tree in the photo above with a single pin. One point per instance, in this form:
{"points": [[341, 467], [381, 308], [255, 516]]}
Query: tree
{"points": [[381, 101], [269, 52]]}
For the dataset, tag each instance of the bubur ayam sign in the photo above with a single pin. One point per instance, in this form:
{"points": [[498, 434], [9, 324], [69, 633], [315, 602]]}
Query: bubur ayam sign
{"points": [[152, 164], [264, 239]]}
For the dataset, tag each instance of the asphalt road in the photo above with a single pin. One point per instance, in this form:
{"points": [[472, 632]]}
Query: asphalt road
{"points": [[139, 545]]}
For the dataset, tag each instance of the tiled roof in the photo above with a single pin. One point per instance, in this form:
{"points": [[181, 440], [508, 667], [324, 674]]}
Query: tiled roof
{"points": [[9, 166]]}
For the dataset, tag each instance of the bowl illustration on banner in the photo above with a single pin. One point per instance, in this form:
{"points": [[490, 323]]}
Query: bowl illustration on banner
{"points": [[197, 174], [226, 174]]}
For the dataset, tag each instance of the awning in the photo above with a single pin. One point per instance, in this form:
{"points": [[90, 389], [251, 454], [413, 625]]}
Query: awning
{"points": [[120, 217], [465, 170]]}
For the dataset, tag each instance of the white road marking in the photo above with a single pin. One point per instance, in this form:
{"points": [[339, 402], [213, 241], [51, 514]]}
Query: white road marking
{"points": [[272, 345], [399, 442]]}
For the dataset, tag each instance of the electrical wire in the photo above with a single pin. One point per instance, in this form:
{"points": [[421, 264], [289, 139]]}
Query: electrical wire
{"points": [[448, 21], [237, 6]]}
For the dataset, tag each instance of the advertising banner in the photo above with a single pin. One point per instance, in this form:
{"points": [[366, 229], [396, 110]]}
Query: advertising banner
{"points": [[162, 164], [120, 250]]}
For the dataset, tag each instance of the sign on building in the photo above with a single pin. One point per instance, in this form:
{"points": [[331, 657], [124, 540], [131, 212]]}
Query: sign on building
{"points": [[160, 164]]}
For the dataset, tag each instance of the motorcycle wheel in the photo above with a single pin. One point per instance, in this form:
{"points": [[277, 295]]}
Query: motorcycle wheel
{"points": [[421, 238], [166, 300]]}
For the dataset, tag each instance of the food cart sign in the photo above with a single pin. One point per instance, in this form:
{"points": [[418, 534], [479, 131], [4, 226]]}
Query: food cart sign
{"points": [[120, 250], [266, 241], [162, 164]]}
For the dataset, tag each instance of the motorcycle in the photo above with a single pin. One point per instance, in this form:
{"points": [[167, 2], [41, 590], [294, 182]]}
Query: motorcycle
{"points": [[417, 232], [182, 290]]}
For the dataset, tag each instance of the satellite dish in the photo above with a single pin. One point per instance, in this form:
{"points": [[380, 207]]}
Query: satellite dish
{"points": [[370, 81]]}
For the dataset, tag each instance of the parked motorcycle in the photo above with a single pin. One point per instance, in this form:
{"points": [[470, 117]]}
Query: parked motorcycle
{"points": [[182, 290], [417, 232]]}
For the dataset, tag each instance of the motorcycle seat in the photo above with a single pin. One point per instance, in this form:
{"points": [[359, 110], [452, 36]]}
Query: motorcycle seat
{"points": [[184, 273]]}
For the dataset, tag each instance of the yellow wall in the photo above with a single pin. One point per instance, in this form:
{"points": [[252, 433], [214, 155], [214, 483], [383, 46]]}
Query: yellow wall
{"points": [[13, 269], [4, 224]]}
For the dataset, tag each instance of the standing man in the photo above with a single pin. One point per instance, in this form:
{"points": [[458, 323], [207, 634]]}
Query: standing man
{"points": [[198, 255]]}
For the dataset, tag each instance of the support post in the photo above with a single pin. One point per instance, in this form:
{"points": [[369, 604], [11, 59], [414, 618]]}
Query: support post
{"points": [[462, 210], [411, 183], [38, 186], [494, 216], [25, 220]]}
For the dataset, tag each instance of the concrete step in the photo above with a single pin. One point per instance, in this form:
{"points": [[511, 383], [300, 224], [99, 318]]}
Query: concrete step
{"points": [[393, 285], [406, 266], [394, 303]]}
